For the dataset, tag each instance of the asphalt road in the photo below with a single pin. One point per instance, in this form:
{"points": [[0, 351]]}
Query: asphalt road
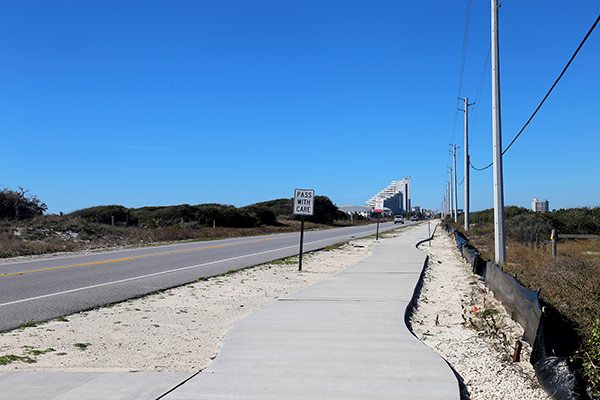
{"points": [[48, 288]]}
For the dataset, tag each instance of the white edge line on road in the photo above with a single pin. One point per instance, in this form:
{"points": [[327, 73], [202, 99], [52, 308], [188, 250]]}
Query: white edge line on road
{"points": [[151, 275]]}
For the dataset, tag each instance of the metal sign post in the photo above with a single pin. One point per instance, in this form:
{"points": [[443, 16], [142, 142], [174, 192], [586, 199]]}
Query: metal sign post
{"points": [[301, 243], [304, 204], [378, 209], [429, 231]]}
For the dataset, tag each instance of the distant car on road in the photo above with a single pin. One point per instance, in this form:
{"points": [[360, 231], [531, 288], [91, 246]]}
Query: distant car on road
{"points": [[414, 218], [398, 219]]}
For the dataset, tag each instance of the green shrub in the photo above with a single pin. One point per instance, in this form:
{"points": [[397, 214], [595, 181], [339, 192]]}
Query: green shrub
{"points": [[583, 220], [263, 215], [18, 204], [325, 212], [102, 214], [166, 213], [591, 359], [282, 208], [525, 226]]}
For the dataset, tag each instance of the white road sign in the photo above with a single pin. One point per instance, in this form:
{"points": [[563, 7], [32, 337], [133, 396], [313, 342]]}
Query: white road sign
{"points": [[304, 201], [379, 205]]}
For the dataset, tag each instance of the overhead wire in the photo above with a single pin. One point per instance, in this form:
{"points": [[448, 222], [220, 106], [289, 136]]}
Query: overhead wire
{"points": [[462, 70], [480, 90], [464, 51], [462, 66], [547, 94]]}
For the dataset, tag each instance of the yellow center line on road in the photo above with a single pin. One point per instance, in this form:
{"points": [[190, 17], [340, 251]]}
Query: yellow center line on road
{"points": [[138, 257]]}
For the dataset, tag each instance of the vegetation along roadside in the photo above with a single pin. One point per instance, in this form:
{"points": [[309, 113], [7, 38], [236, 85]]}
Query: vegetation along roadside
{"points": [[569, 283], [26, 231]]}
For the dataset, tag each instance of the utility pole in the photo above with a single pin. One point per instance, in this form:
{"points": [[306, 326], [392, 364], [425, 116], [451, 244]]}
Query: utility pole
{"points": [[445, 202], [499, 230], [448, 207], [467, 164], [443, 212], [455, 186], [451, 189], [448, 199], [443, 207]]}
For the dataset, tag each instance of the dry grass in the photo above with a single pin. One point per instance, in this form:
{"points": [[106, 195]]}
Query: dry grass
{"points": [[54, 234], [570, 284]]}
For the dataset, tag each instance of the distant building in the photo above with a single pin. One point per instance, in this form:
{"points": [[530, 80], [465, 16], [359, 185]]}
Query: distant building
{"points": [[396, 196], [365, 211], [539, 205], [360, 210]]}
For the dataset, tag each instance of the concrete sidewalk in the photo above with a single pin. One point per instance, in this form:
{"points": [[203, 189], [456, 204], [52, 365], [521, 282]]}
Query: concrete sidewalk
{"points": [[344, 338]]}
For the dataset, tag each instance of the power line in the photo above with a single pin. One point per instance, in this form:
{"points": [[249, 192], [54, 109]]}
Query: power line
{"points": [[464, 50], [547, 94], [480, 89], [462, 68]]}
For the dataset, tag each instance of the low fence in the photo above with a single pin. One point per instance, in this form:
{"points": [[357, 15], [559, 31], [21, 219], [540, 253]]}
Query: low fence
{"points": [[552, 338]]}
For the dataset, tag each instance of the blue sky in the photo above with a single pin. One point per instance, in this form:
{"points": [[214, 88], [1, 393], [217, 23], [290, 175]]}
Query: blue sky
{"points": [[144, 103]]}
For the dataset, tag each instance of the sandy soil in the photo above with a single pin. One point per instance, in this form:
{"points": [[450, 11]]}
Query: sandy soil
{"points": [[458, 317], [179, 330]]}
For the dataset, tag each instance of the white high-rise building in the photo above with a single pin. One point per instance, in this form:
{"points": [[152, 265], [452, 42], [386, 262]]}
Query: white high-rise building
{"points": [[405, 182], [539, 205], [396, 196]]}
